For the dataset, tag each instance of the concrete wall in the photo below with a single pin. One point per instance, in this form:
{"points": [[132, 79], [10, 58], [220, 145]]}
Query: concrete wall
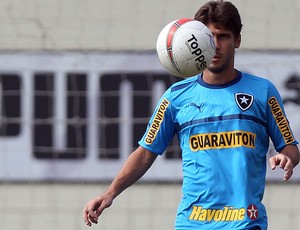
{"points": [[127, 25], [133, 25], [143, 206]]}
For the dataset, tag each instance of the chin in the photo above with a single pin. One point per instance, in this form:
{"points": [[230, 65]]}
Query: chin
{"points": [[215, 68]]}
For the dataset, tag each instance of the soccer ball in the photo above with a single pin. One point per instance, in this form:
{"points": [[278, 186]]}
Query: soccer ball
{"points": [[185, 47]]}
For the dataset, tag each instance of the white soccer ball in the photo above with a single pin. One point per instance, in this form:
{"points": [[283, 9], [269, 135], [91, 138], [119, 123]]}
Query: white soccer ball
{"points": [[185, 47]]}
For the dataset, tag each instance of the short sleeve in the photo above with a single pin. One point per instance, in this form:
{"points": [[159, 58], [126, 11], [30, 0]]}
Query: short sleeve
{"points": [[278, 125], [160, 129]]}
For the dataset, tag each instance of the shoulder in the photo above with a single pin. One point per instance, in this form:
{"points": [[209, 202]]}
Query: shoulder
{"points": [[256, 82], [183, 84], [180, 92], [256, 79]]}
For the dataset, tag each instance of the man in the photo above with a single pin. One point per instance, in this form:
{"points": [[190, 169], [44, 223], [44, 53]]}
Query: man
{"points": [[223, 119]]}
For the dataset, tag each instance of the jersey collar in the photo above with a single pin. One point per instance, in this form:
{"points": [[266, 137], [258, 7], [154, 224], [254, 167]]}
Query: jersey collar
{"points": [[201, 82]]}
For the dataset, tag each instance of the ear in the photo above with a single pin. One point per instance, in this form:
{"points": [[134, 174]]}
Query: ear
{"points": [[238, 41]]}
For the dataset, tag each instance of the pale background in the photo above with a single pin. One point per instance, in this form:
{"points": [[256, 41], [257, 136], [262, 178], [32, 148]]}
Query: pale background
{"points": [[133, 24], [127, 25]]}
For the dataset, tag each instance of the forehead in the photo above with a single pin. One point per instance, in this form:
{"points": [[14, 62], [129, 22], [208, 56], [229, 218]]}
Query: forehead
{"points": [[216, 29]]}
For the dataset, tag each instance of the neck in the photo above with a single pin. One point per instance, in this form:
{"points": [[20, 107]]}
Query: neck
{"points": [[223, 77]]}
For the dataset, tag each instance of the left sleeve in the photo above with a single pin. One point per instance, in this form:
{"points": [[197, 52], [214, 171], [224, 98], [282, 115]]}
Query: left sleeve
{"points": [[278, 125]]}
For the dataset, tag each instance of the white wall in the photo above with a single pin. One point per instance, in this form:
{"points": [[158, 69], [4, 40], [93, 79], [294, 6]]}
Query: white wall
{"points": [[143, 206], [133, 25]]}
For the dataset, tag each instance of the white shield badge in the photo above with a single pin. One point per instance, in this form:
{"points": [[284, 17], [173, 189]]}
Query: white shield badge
{"points": [[243, 100]]}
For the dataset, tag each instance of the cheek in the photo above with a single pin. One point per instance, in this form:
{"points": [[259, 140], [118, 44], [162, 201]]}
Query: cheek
{"points": [[231, 47], [229, 52]]}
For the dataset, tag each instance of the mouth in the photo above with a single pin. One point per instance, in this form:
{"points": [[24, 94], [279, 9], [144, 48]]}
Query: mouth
{"points": [[216, 57]]}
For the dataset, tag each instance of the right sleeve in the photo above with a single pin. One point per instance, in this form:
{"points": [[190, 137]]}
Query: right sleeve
{"points": [[160, 130]]}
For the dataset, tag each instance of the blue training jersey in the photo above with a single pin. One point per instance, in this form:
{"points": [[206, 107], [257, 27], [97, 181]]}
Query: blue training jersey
{"points": [[224, 132]]}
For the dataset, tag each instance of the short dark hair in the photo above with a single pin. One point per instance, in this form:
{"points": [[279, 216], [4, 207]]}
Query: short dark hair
{"points": [[222, 14]]}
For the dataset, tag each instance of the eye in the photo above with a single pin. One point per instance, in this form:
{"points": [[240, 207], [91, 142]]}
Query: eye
{"points": [[223, 36]]}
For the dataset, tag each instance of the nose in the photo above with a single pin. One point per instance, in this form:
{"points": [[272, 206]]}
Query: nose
{"points": [[216, 41]]}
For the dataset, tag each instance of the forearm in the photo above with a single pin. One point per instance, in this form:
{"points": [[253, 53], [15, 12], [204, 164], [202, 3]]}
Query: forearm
{"points": [[133, 169], [292, 152]]}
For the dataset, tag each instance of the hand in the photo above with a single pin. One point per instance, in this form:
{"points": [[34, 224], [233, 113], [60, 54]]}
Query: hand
{"points": [[283, 162], [95, 207]]}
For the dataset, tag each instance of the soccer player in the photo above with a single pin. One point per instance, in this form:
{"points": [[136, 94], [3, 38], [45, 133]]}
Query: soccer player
{"points": [[223, 119]]}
